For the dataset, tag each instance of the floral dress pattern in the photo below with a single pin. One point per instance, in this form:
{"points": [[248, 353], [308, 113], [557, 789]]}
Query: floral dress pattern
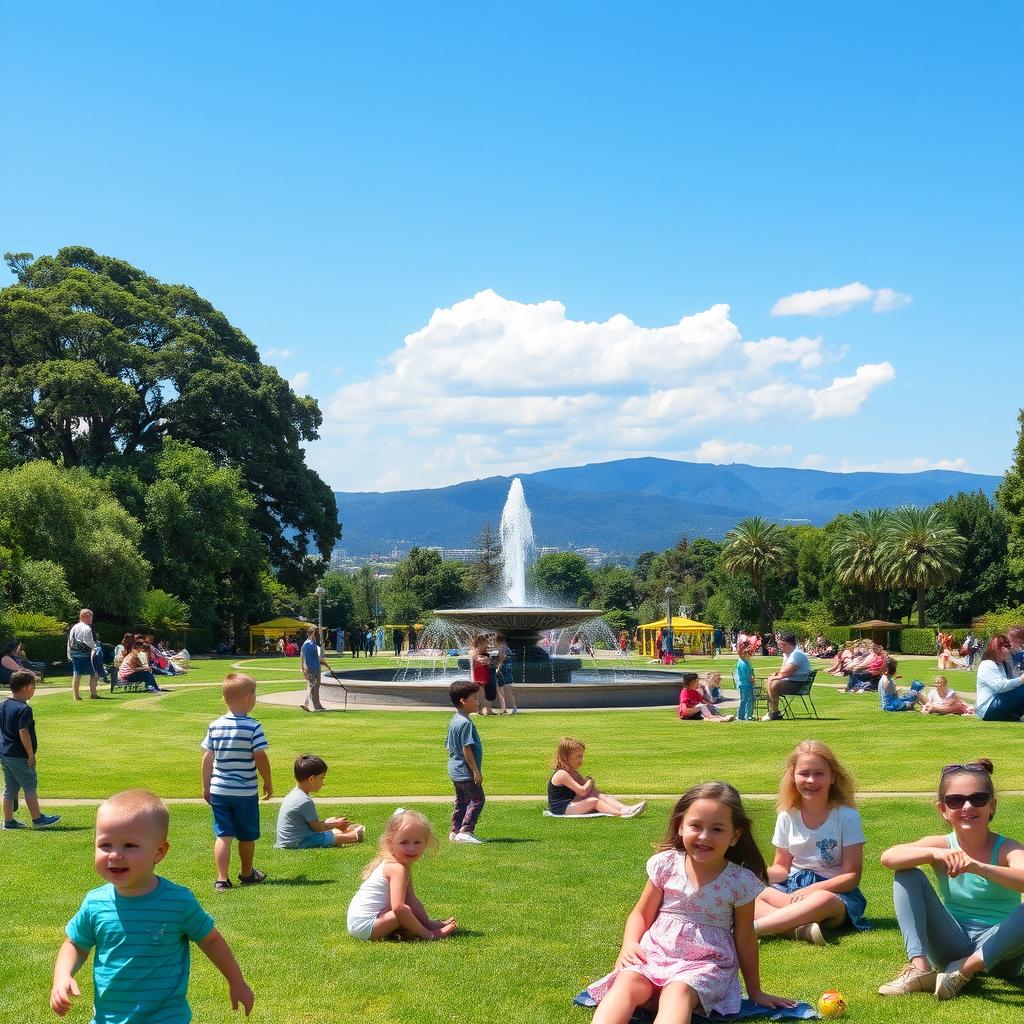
{"points": [[691, 938]]}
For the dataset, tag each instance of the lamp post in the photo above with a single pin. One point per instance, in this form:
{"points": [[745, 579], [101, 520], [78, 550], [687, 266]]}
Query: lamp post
{"points": [[666, 643], [320, 593]]}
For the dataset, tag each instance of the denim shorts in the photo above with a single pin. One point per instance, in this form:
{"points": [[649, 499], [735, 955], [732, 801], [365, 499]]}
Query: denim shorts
{"points": [[18, 775], [236, 817], [853, 900], [316, 840], [82, 664]]}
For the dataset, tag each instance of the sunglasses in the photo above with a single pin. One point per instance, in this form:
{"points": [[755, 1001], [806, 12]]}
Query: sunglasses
{"points": [[972, 767], [954, 801]]}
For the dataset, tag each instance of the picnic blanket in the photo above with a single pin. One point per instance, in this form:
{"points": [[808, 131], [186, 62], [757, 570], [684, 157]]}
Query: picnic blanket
{"points": [[748, 1011]]}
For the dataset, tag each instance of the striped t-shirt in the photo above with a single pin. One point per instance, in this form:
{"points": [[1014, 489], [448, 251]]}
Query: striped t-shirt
{"points": [[140, 972], [234, 739]]}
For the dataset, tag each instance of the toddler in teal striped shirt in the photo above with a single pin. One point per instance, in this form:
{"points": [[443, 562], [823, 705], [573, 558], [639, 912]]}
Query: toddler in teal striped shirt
{"points": [[140, 924]]}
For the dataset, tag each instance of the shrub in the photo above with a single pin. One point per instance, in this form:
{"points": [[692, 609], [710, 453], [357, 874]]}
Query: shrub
{"points": [[1000, 621], [44, 637], [917, 641]]}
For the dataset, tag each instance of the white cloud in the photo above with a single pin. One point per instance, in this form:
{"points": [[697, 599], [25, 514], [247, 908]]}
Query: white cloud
{"points": [[814, 460], [715, 450], [845, 395], [300, 381], [492, 386], [278, 353], [913, 465], [764, 354], [834, 301]]}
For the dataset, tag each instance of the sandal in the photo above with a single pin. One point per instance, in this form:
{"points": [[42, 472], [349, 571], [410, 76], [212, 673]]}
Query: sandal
{"points": [[222, 885], [255, 878]]}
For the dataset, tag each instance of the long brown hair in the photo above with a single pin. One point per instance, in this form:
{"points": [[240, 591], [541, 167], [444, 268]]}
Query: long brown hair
{"points": [[840, 793], [744, 851]]}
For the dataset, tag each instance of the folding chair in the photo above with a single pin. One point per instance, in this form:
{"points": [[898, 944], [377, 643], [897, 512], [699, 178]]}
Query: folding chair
{"points": [[760, 698], [787, 700]]}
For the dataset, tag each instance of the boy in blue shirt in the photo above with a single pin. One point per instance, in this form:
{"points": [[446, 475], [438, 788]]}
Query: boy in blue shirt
{"points": [[140, 925], [18, 747], [465, 756], [235, 749]]}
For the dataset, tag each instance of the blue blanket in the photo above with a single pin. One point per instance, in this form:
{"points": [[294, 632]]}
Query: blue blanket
{"points": [[748, 1011]]}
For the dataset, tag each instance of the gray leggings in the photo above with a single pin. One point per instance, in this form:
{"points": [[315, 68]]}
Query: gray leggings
{"points": [[929, 929]]}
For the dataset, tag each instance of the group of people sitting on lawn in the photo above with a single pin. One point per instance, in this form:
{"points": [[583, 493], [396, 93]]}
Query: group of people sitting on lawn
{"points": [[709, 896]]}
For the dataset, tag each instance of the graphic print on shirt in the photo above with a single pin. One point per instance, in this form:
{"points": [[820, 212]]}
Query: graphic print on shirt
{"points": [[826, 850]]}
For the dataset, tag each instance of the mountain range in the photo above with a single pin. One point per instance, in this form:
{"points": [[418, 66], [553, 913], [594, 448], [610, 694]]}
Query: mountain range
{"points": [[633, 505]]}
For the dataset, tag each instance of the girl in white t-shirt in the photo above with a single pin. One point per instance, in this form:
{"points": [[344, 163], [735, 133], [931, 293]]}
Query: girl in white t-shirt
{"points": [[944, 701], [819, 849]]}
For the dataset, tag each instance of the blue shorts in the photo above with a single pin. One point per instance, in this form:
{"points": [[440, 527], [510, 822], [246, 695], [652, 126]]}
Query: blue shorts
{"points": [[18, 775], [82, 664], [237, 817], [853, 900], [317, 840]]}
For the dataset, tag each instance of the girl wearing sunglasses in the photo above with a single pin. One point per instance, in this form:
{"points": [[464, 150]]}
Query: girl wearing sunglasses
{"points": [[976, 920]]}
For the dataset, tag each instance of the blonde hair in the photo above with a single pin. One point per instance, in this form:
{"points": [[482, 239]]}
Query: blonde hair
{"points": [[840, 793], [941, 681], [567, 746], [398, 821], [138, 804], [236, 685]]}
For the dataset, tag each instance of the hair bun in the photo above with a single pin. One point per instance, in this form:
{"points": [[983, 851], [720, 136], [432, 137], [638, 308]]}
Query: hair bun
{"points": [[984, 763]]}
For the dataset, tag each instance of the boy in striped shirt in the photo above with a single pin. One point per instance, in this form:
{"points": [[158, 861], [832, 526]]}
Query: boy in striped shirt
{"points": [[140, 925], [235, 749]]}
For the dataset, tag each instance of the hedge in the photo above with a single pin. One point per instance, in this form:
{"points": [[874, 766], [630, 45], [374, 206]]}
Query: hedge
{"points": [[914, 640]]}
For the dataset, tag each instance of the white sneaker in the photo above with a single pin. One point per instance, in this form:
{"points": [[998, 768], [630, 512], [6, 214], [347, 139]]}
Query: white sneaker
{"points": [[453, 837], [467, 837], [632, 812]]}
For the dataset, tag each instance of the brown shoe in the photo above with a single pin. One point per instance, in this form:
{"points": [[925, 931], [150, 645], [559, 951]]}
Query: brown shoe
{"points": [[908, 981]]}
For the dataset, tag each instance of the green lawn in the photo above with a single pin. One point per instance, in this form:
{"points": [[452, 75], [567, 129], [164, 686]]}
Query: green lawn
{"points": [[542, 907]]}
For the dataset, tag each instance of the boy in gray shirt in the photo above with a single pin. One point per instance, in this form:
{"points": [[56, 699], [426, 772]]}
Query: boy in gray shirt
{"points": [[298, 827]]}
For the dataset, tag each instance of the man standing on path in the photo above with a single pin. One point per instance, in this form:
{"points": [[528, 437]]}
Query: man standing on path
{"points": [[312, 659], [81, 644], [398, 635], [795, 670]]}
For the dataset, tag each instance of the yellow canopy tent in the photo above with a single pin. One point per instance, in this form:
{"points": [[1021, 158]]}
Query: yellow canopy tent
{"points": [[686, 635], [275, 629]]}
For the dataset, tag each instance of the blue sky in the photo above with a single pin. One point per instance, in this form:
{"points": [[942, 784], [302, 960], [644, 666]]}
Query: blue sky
{"points": [[499, 238]]}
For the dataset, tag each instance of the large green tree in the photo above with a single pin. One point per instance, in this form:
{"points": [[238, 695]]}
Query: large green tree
{"points": [[563, 577], [757, 549], [71, 518], [430, 580], [198, 527], [1010, 498], [981, 583], [485, 571], [101, 362], [920, 550], [856, 554]]}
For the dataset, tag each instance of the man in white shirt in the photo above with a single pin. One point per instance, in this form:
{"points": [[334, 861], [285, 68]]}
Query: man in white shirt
{"points": [[791, 676], [81, 644]]}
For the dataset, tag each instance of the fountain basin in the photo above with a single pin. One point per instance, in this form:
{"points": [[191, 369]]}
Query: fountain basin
{"points": [[595, 688]]}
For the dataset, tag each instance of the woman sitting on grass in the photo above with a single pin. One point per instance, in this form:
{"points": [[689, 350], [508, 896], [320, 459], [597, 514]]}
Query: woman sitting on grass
{"points": [[694, 701], [890, 698], [944, 701], [571, 793], [819, 851], [975, 922]]}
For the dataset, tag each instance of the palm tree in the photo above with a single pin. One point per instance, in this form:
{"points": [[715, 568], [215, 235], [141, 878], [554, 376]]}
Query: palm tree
{"points": [[855, 549], [755, 548], [920, 550]]}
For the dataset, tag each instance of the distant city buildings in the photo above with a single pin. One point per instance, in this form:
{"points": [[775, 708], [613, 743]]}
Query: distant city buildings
{"points": [[386, 561]]}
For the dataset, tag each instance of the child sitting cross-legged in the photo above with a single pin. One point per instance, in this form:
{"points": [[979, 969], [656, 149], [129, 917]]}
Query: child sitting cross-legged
{"points": [[140, 925], [298, 827], [890, 698], [386, 904], [695, 702], [569, 792]]}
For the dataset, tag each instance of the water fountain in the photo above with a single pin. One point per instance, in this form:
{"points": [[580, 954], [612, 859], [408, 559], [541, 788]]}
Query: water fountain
{"points": [[541, 679]]}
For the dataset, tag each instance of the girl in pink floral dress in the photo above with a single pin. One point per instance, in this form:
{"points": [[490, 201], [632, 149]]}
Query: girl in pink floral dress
{"points": [[692, 931]]}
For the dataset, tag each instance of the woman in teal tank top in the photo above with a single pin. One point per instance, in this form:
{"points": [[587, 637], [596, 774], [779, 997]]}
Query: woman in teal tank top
{"points": [[975, 922]]}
